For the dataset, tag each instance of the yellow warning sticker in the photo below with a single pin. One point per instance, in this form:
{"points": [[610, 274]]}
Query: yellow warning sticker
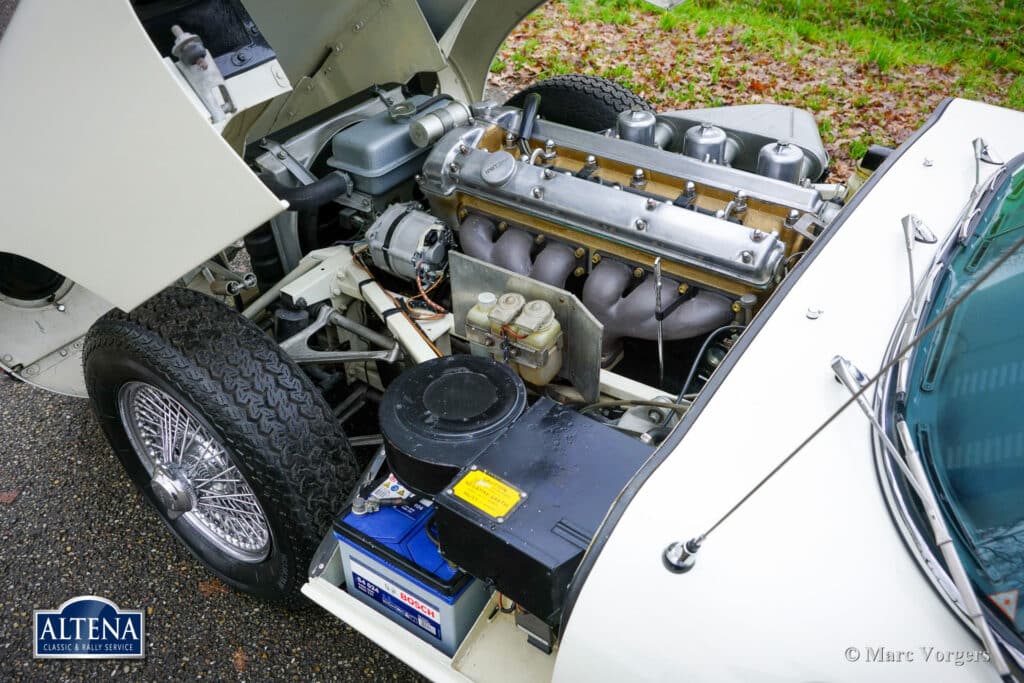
{"points": [[484, 492]]}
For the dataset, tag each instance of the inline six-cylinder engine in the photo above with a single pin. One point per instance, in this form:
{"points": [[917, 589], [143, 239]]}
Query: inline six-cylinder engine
{"points": [[681, 240]]}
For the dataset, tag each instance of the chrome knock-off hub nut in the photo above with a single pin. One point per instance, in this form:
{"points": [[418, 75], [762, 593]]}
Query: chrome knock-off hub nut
{"points": [[172, 493]]}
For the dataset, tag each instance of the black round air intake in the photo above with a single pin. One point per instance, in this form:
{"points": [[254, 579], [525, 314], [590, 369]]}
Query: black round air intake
{"points": [[438, 416]]}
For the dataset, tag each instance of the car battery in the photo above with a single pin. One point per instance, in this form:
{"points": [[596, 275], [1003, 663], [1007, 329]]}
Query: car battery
{"points": [[392, 564]]}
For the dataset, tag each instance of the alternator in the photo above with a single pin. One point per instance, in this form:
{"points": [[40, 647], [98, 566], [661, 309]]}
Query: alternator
{"points": [[406, 240]]}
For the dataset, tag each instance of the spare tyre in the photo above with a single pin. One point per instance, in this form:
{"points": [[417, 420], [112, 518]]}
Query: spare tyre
{"points": [[586, 102]]}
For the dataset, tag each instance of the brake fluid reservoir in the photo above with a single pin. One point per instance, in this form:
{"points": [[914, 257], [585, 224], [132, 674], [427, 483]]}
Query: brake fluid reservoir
{"points": [[505, 310], [524, 335], [541, 341], [479, 317]]}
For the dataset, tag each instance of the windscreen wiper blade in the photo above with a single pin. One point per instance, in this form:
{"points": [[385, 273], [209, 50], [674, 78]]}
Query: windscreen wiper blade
{"points": [[968, 595], [914, 473]]}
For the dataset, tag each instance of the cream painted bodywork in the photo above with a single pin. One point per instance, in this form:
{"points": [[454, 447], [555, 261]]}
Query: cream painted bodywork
{"points": [[113, 178], [331, 49], [366, 43], [812, 564]]}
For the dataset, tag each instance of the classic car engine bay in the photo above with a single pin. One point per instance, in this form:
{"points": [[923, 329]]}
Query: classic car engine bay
{"points": [[519, 312], [506, 314], [480, 375], [652, 228]]}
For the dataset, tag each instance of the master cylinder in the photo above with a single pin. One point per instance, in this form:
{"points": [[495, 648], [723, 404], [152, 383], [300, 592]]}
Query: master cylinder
{"points": [[526, 335]]}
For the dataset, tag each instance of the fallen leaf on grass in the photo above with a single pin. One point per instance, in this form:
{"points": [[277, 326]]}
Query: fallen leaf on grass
{"points": [[675, 68], [8, 497]]}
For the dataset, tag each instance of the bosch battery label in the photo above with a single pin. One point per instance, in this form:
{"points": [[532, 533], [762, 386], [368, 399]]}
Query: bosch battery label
{"points": [[397, 599]]}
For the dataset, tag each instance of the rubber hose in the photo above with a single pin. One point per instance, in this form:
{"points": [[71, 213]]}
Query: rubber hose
{"points": [[427, 104], [530, 108], [305, 198], [309, 230], [266, 263]]}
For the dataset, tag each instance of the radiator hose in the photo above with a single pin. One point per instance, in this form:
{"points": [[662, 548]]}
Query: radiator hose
{"points": [[303, 198]]}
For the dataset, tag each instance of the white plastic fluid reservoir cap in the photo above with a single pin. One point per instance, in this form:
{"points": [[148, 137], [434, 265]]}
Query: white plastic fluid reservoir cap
{"points": [[486, 299]]}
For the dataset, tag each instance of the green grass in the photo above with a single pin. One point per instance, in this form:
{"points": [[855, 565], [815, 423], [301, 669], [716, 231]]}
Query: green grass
{"points": [[609, 11], [976, 34], [869, 70], [858, 148]]}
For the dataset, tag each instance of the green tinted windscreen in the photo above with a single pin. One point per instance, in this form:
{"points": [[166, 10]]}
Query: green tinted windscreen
{"points": [[965, 403]]}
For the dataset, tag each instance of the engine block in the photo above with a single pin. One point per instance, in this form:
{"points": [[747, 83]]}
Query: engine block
{"points": [[595, 214], [713, 226]]}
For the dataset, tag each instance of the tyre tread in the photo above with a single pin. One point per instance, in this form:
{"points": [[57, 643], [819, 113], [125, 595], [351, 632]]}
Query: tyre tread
{"points": [[580, 100], [267, 411]]}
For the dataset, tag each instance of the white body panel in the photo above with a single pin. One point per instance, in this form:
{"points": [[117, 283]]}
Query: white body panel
{"points": [[111, 176], [812, 564], [45, 340]]}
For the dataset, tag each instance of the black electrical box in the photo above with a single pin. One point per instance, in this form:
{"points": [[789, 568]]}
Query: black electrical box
{"points": [[523, 512]]}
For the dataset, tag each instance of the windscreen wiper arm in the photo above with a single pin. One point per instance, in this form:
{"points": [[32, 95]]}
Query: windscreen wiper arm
{"points": [[913, 470]]}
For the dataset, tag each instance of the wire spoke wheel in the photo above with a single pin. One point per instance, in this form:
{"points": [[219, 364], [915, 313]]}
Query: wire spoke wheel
{"points": [[192, 475], [223, 434]]}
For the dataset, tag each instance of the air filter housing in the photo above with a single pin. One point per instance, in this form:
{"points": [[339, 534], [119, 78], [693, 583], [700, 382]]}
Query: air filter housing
{"points": [[523, 513], [438, 416]]}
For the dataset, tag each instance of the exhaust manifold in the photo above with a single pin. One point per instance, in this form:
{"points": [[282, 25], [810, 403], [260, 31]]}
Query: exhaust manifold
{"points": [[606, 293]]}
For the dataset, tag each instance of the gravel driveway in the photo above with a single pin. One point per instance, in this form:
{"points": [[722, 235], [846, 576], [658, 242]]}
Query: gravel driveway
{"points": [[77, 526], [6, 12]]}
